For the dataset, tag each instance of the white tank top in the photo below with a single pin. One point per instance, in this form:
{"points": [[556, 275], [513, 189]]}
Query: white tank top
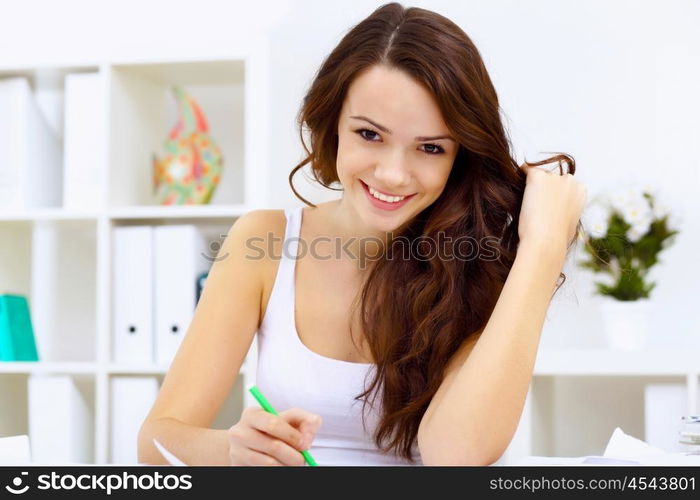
{"points": [[290, 375]]}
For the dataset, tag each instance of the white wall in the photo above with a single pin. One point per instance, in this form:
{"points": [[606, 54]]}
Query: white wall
{"points": [[82, 30], [616, 84]]}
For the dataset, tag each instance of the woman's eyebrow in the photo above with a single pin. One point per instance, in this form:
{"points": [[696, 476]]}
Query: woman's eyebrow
{"points": [[419, 138]]}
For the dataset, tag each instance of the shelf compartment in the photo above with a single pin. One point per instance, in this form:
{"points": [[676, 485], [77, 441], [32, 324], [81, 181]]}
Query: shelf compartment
{"points": [[53, 419], [15, 257], [63, 289], [143, 110], [16, 405], [46, 167], [213, 233], [574, 416]]}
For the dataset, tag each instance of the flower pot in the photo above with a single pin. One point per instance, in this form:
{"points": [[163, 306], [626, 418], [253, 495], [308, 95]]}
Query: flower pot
{"points": [[626, 323]]}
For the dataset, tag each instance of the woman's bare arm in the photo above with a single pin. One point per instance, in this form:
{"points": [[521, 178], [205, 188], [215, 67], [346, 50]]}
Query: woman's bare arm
{"points": [[476, 410], [210, 357]]}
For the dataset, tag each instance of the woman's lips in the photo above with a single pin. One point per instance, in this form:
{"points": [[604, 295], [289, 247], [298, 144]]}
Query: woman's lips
{"points": [[384, 205]]}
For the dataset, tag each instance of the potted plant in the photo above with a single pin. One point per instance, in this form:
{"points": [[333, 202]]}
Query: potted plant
{"points": [[624, 232]]}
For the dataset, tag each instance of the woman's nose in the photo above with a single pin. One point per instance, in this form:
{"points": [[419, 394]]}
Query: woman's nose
{"points": [[393, 171]]}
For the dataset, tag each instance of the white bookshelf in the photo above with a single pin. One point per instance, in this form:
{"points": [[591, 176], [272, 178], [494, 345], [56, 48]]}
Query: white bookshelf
{"points": [[578, 396], [61, 258]]}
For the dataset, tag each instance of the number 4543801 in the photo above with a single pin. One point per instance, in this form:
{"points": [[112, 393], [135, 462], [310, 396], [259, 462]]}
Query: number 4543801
{"points": [[661, 483]]}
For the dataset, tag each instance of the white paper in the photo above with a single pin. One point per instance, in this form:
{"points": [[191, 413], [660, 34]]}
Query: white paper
{"points": [[627, 447], [15, 450], [622, 449], [172, 459], [584, 460], [624, 446]]}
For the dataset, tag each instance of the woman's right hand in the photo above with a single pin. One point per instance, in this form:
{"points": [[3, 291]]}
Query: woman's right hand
{"points": [[261, 438]]}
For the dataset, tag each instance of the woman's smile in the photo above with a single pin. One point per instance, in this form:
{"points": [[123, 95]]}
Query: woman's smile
{"points": [[383, 202]]}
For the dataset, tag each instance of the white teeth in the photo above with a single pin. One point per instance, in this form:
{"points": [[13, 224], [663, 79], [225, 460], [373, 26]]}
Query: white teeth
{"points": [[380, 196]]}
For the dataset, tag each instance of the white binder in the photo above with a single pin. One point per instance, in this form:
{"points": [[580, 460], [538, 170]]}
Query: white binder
{"points": [[30, 151], [180, 257], [132, 318], [60, 426], [83, 158], [132, 399]]}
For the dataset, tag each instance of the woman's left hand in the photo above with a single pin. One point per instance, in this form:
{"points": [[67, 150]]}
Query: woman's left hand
{"points": [[551, 208]]}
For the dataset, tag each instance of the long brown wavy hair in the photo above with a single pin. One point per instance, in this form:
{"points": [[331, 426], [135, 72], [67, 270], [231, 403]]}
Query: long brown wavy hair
{"points": [[415, 314]]}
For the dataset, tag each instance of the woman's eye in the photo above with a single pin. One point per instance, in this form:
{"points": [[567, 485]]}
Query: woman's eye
{"points": [[434, 149], [362, 131]]}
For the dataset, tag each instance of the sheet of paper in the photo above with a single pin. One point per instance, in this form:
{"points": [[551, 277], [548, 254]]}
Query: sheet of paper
{"points": [[15, 450], [585, 460], [622, 449], [172, 459], [596, 460], [624, 446]]}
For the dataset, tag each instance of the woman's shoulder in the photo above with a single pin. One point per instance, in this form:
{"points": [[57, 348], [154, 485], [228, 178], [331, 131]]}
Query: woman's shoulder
{"points": [[262, 232], [259, 222], [260, 228], [261, 216]]}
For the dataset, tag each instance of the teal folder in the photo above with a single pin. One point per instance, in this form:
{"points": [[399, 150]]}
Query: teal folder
{"points": [[16, 333]]}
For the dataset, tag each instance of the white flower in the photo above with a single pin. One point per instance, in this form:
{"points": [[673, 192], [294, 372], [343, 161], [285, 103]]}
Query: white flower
{"points": [[649, 189], [661, 210], [634, 233], [595, 220], [637, 213], [629, 195]]}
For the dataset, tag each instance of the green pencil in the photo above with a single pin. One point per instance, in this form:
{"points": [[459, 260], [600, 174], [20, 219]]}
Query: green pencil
{"points": [[269, 409]]}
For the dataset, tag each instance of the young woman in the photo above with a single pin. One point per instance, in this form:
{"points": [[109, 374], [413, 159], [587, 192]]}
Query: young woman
{"points": [[409, 346]]}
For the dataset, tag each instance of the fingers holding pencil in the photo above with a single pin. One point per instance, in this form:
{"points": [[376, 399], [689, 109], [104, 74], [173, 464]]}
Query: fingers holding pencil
{"points": [[263, 438], [306, 422], [260, 438], [265, 449], [295, 415]]}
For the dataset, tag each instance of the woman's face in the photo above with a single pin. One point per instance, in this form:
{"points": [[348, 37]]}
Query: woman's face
{"points": [[391, 139]]}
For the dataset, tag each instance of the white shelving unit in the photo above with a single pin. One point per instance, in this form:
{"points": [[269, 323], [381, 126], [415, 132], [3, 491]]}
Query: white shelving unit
{"points": [[578, 396], [61, 259]]}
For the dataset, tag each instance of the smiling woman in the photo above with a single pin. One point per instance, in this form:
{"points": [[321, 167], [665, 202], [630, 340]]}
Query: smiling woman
{"points": [[403, 115], [440, 347]]}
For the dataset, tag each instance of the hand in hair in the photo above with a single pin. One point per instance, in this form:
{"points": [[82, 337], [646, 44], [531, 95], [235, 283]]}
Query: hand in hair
{"points": [[551, 208]]}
